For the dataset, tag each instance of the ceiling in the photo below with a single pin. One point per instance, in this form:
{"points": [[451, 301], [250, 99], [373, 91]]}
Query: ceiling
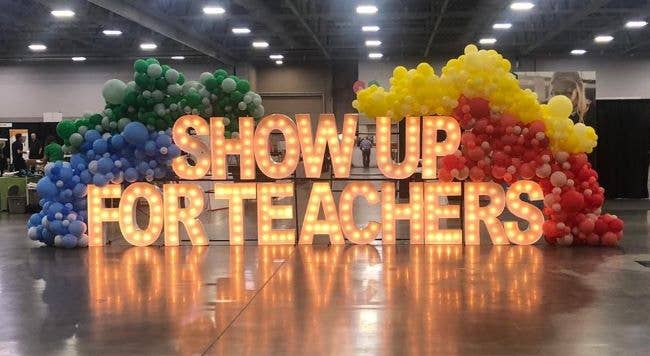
{"points": [[316, 30]]}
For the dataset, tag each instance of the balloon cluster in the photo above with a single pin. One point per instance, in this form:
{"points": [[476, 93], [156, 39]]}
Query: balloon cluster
{"points": [[499, 147], [130, 140], [475, 74], [507, 136]]}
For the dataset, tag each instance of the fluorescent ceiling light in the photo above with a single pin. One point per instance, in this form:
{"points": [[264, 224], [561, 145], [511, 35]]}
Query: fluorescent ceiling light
{"points": [[502, 26], [276, 56], [521, 5], [178, 58], [369, 28], [603, 39], [366, 9], [279, 62], [260, 44], [578, 52], [241, 30], [37, 47], [214, 10], [62, 13], [148, 46], [636, 24], [373, 43], [112, 32], [487, 41], [375, 55], [78, 59]]}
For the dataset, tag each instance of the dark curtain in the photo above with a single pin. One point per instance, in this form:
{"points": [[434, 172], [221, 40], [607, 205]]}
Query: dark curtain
{"points": [[622, 155]]}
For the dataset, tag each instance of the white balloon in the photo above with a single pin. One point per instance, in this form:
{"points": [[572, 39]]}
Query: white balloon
{"points": [[171, 76]]}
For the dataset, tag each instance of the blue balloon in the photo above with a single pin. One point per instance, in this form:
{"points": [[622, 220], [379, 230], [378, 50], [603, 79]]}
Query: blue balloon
{"points": [[135, 133], [56, 227], [131, 175], [173, 151], [150, 148], [92, 136], [47, 237], [100, 146], [77, 228], [104, 165], [85, 177], [46, 188], [69, 241], [66, 173], [79, 190], [34, 220], [117, 142], [163, 141], [99, 180], [90, 155]]}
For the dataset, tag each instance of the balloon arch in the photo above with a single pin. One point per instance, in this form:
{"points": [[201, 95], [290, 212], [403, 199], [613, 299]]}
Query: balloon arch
{"points": [[507, 136]]}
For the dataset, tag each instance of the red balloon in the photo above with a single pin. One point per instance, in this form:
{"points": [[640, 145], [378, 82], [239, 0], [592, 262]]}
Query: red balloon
{"points": [[616, 225], [572, 201]]}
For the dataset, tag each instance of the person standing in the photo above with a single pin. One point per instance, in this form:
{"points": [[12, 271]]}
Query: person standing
{"points": [[35, 147], [17, 153], [366, 147]]}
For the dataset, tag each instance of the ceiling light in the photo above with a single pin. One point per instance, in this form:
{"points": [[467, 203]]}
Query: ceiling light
{"points": [[636, 24], [260, 44], [369, 28], [37, 47], [276, 56], [603, 39], [62, 13], [521, 5], [487, 41], [112, 32], [214, 10], [241, 30], [578, 52], [148, 46], [373, 43], [366, 9], [279, 62], [502, 26], [178, 58], [78, 59], [375, 55]]}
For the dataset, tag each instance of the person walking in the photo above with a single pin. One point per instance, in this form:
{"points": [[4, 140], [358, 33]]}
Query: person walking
{"points": [[366, 147]]}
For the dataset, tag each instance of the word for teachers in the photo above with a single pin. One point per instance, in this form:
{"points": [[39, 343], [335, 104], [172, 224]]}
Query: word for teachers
{"points": [[179, 205]]}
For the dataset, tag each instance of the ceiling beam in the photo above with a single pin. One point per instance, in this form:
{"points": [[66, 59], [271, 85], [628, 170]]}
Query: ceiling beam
{"points": [[262, 13], [304, 24], [168, 29], [566, 23], [436, 25]]}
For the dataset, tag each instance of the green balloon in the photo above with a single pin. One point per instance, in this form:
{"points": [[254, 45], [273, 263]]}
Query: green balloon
{"points": [[220, 73], [142, 80], [95, 120], [161, 83], [211, 84], [152, 61], [140, 66], [181, 78], [66, 128], [236, 97], [243, 86]]}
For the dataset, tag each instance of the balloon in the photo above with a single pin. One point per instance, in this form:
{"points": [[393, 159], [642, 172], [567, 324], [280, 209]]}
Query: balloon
{"points": [[114, 91], [228, 85], [135, 133], [65, 129], [154, 71]]}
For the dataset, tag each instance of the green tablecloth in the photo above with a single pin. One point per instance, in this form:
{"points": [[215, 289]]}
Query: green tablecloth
{"points": [[8, 182]]}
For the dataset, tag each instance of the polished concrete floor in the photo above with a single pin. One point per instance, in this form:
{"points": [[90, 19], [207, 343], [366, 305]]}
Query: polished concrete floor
{"points": [[323, 300]]}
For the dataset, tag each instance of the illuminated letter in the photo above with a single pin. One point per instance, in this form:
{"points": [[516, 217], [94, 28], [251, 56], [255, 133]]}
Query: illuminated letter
{"points": [[321, 194], [474, 212], [235, 193], [192, 196], [193, 145], [346, 216], [391, 212], [433, 149], [267, 212], [433, 212], [243, 146], [313, 151], [526, 211], [130, 229], [268, 166], [98, 214], [412, 157]]}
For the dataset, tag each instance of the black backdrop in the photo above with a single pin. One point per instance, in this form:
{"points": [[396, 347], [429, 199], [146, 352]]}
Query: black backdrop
{"points": [[622, 155], [42, 130]]}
